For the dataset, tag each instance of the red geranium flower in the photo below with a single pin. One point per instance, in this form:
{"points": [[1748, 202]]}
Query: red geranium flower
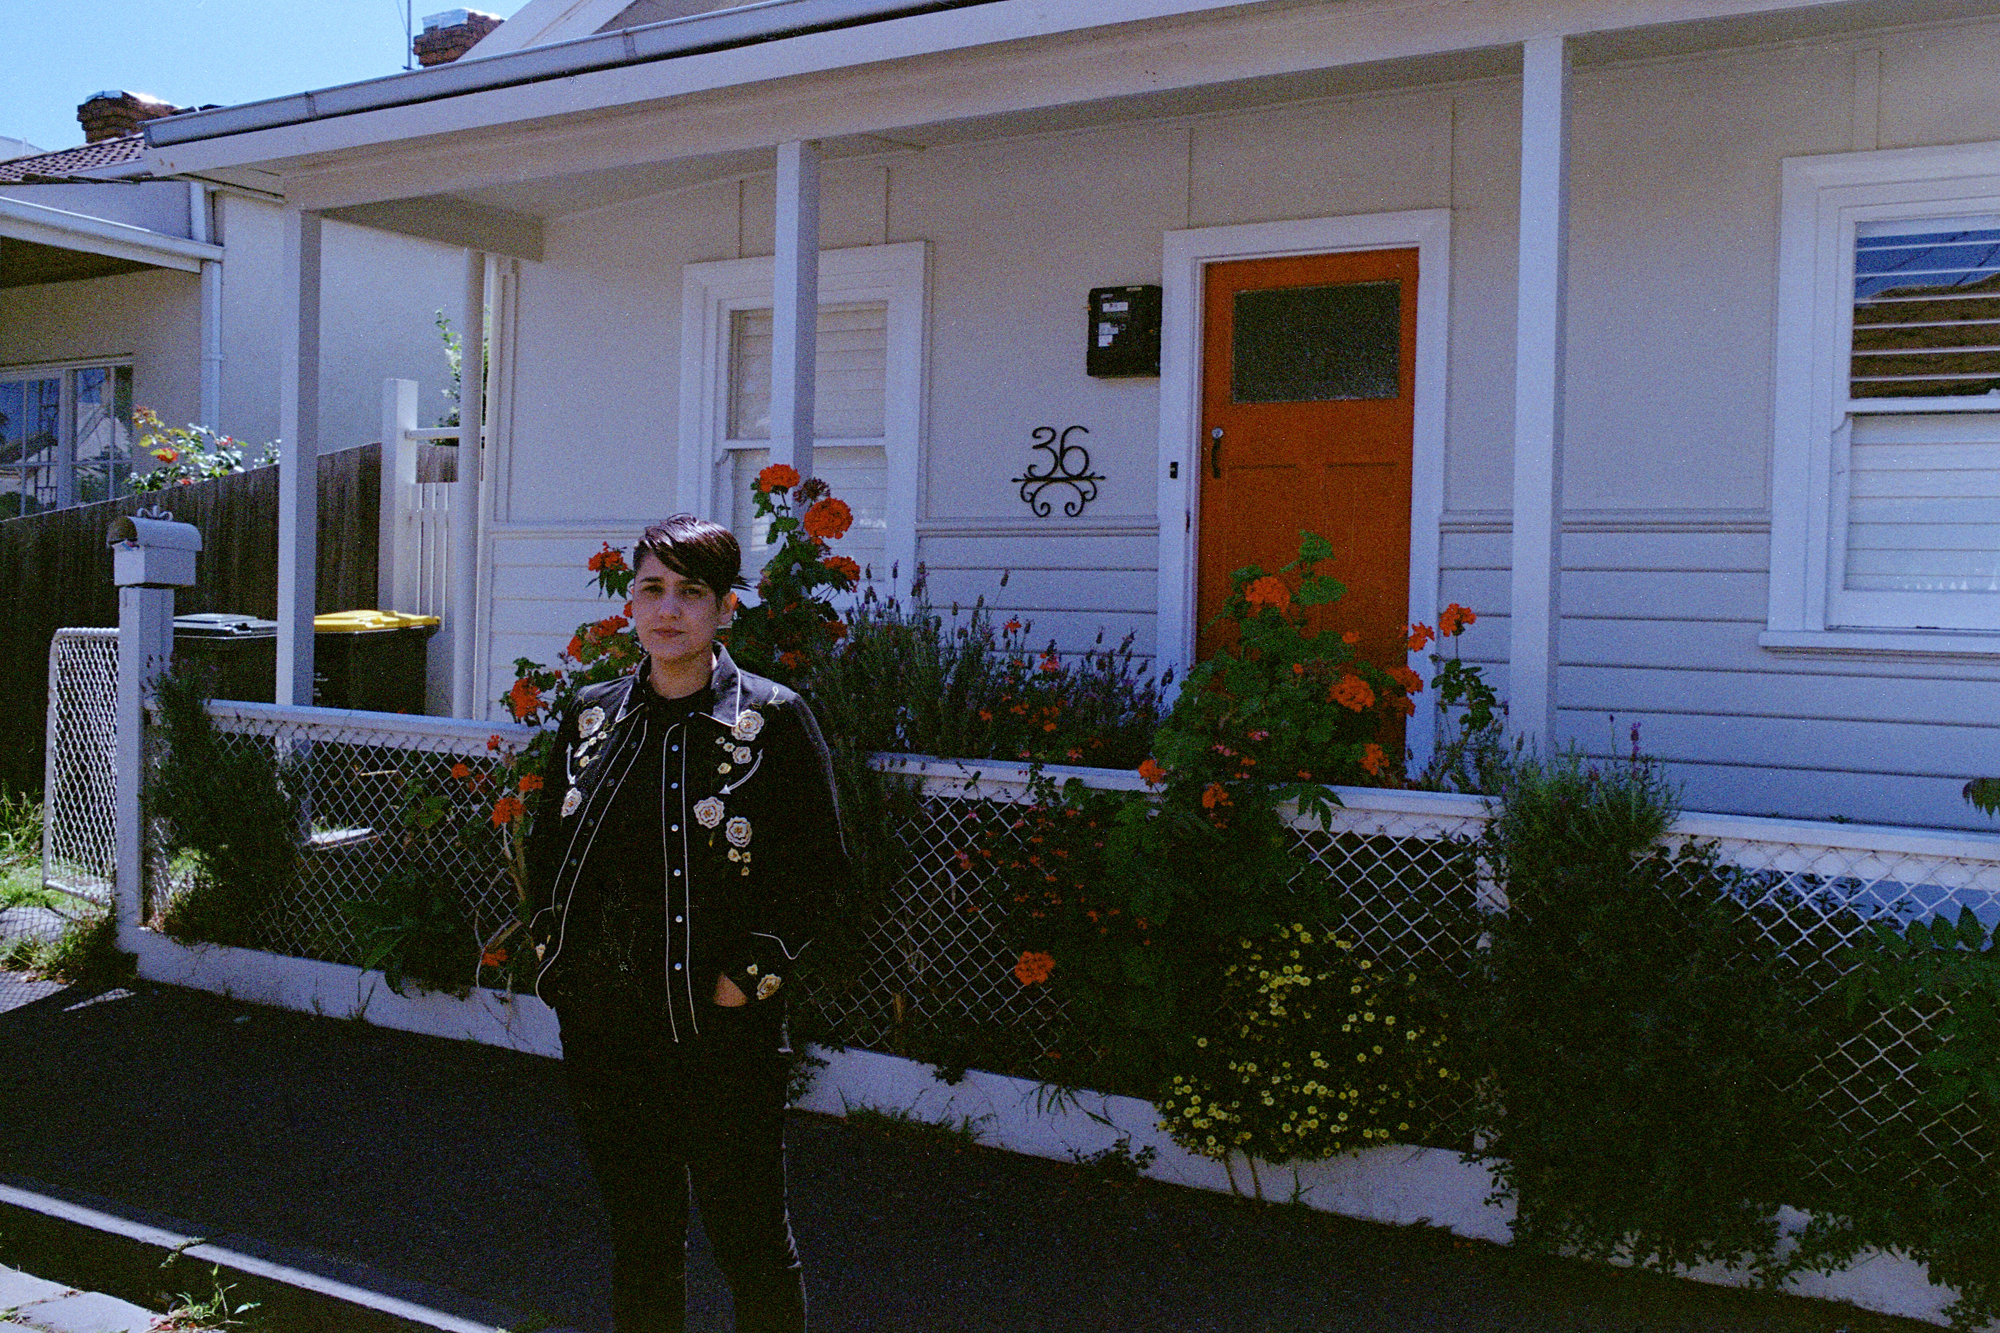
{"points": [[1151, 771], [508, 809], [524, 699], [1453, 619], [844, 566], [1268, 591], [1034, 967], [777, 477], [828, 519]]}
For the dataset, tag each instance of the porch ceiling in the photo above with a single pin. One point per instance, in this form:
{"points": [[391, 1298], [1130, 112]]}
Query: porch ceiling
{"points": [[489, 178]]}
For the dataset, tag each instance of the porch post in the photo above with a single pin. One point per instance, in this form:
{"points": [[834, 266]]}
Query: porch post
{"points": [[298, 466], [795, 306], [199, 204], [465, 489], [396, 557], [1538, 389]]}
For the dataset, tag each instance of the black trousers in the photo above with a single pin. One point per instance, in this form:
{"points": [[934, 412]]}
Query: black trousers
{"points": [[657, 1117]]}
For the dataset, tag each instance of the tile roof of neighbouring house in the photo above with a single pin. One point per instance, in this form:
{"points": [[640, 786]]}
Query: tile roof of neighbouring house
{"points": [[73, 161]]}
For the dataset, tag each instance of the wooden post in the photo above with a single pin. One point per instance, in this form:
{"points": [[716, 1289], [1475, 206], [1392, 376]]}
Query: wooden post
{"points": [[298, 466], [1538, 390], [795, 305]]}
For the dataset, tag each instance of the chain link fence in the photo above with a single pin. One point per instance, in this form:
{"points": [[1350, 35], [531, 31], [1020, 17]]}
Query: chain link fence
{"points": [[387, 801], [79, 830], [395, 825]]}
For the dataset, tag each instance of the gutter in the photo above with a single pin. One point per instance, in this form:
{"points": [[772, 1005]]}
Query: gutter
{"points": [[747, 25], [65, 230]]}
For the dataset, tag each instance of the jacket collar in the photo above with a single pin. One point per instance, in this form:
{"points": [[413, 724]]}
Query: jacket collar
{"points": [[732, 690]]}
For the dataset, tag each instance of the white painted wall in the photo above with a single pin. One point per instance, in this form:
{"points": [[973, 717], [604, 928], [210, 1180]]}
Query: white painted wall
{"points": [[381, 294], [153, 317], [1675, 176]]}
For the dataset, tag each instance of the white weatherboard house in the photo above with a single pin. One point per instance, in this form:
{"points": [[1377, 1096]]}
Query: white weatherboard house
{"points": [[1663, 333]]}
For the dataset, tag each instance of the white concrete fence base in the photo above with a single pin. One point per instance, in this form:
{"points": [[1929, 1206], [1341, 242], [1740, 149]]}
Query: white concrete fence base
{"points": [[1398, 1185]]}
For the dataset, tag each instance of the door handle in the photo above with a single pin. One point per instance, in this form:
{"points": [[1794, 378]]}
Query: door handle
{"points": [[1215, 453]]}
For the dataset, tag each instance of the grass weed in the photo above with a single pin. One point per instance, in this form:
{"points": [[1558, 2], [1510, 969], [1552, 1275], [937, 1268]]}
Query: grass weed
{"points": [[904, 1123]]}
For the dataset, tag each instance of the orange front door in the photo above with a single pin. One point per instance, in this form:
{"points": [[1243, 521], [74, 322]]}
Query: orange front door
{"points": [[1307, 370]]}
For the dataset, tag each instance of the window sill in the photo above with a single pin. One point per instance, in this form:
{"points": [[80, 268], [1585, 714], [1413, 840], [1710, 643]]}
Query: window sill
{"points": [[1979, 645]]}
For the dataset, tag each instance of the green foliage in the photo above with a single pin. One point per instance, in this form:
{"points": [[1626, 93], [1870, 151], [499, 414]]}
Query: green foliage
{"points": [[413, 924], [1984, 794], [216, 1311], [1118, 1164], [1471, 752], [1935, 984], [1644, 1041], [85, 953], [964, 689], [1315, 1051], [794, 620], [904, 1123], [1282, 709], [183, 455], [225, 807]]}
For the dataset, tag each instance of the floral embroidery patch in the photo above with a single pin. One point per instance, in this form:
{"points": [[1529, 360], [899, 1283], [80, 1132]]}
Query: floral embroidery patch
{"points": [[571, 801], [768, 987], [589, 721], [741, 754], [748, 723], [708, 812], [738, 832]]}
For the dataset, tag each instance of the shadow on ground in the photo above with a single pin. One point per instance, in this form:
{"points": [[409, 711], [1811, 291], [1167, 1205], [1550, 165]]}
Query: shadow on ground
{"points": [[449, 1173]]}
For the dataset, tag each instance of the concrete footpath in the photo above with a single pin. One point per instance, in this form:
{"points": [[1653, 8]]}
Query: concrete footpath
{"points": [[352, 1178]]}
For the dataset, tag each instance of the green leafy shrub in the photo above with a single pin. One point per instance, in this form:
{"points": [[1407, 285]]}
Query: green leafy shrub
{"points": [[1643, 1042], [1926, 1186], [226, 808], [1315, 1051]]}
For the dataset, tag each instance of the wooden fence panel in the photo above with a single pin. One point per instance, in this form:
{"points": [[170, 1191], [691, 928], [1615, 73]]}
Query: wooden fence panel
{"points": [[55, 572]]}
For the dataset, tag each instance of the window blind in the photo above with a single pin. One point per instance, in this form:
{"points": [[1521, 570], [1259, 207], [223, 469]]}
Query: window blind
{"points": [[849, 387]]}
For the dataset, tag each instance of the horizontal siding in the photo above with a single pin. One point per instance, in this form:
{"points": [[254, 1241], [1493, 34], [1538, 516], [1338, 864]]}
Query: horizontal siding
{"points": [[1073, 587]]}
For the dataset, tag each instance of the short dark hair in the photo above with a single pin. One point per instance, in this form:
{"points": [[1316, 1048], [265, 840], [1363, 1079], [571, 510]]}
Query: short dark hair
{"points": [[694, 548]]}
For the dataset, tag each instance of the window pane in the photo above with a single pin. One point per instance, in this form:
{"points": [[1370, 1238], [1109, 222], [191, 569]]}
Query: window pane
{"points": [[1927, 309], [103, 437], [1315, 344], [30, 417], [858, 474], [1923, 506], [849, 392]]}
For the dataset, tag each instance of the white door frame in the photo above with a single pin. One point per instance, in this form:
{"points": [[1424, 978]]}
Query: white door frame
{"points": [[1187, 254]]}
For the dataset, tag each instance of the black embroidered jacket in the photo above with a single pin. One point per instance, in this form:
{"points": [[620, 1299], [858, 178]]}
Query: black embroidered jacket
{"points": [[747, 817]]}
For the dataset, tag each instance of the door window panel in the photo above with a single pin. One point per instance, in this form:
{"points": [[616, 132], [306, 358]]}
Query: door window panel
{"points": [[1318, 344]]}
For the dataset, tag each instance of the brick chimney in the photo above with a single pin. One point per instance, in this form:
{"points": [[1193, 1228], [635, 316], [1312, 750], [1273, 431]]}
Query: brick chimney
{"points": [[113, 115], [449, 35]]}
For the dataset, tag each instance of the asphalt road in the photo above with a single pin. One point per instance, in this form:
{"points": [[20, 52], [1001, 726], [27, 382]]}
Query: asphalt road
{"points": [[449, 1173]]}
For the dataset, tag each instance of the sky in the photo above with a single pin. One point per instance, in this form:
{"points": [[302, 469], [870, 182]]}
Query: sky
{"points": [[192, 52]]}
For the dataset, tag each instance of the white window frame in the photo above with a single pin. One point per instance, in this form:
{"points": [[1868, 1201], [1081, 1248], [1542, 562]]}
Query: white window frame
{"points": [[1824, 199], [65, 462], [713, 292]]}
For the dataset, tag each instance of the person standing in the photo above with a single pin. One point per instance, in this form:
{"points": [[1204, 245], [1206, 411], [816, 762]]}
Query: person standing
{"points": [[688, 828]]}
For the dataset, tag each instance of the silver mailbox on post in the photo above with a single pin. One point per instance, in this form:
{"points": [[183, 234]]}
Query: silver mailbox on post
{"points": [[151, 550]]}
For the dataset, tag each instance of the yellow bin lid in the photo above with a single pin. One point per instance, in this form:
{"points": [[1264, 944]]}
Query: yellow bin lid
{"points": [[362, 622]]}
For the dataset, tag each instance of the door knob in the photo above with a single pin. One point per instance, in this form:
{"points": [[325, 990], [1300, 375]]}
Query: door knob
{"points": [[1215, 452]]}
